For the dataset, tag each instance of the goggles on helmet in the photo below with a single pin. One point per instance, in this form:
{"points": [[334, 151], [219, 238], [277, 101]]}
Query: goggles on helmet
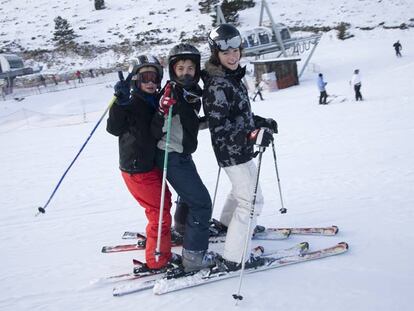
{"points": [[233, 43], [149, 76]]}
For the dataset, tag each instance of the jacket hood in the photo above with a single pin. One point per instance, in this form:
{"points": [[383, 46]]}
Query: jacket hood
{"points": [[211, 70]]}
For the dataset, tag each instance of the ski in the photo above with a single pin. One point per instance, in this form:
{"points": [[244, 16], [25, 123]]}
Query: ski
{"points": [[140, 245], [140, 283], [205, 276], [330, 230], [218, 235], [219, 238]]}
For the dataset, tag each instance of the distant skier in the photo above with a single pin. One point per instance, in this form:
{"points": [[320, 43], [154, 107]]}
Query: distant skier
{"points": [[79, 76], [258, 90], [356, 82], [321, 85], [398, 47]]}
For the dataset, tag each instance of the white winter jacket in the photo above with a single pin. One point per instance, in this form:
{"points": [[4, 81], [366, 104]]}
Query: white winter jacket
{"points": [[356, 79]]}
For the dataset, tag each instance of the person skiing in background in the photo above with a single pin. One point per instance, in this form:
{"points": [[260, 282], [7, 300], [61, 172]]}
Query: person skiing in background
{"points": [[356, 83], [398, 47], [322, 89], [234, 131], [258, 90], [78, 75], [130, 119], [193, 211]]}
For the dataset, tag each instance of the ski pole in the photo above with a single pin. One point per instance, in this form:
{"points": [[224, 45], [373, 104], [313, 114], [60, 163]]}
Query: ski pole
{"points": [[282, 210], [42, 209], [215, 190], [164, 177], [248, 237]]}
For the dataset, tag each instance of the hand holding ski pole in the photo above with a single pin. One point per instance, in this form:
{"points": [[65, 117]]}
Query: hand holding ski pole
{"points": [[261, 137], [166, 100]]}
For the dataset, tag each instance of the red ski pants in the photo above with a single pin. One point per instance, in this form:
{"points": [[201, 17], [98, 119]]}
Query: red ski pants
{"points": [[146, 189]]}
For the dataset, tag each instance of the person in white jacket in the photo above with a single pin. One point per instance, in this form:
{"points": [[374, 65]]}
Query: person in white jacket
{"points": [[356, 82]]}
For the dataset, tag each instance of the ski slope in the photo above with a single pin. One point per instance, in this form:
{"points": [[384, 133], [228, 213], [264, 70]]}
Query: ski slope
{"points": [[350, 164]]}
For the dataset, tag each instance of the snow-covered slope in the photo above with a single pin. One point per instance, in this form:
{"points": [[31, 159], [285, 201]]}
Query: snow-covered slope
{"points": [[349, 164], [27, 25]]}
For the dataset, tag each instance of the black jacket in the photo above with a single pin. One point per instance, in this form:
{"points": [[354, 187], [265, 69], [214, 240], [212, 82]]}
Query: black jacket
{"points": [[132, 124], [185, 123], [230, 119]]}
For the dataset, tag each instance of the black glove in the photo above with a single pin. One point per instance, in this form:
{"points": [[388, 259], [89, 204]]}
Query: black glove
{"points": [[261, 137], [262, 122], [272, 125], [122, 90]]}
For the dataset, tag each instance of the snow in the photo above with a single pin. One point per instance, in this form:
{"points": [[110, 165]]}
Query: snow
{"points": [[350, 164]]}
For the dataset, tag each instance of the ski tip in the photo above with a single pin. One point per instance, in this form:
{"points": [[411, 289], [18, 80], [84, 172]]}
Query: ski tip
{"points": [[336, 229], [103, 250], [137, 262], [344, 245]]}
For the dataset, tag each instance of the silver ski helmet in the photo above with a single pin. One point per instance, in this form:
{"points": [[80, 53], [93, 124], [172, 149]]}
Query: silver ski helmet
{"points": [[184, 51], [145, 60], [224, 37]]}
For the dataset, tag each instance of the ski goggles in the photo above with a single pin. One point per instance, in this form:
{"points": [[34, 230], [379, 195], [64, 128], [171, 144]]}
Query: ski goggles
{"points": [[190, 98], [149, 76], [232, 43]]}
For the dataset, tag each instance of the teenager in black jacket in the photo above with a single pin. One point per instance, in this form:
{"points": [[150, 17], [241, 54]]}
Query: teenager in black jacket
{"points": [[130, 119], [194, 211]]}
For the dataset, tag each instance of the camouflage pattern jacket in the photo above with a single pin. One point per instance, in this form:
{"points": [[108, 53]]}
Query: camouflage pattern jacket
{"points": [[230, 119]]}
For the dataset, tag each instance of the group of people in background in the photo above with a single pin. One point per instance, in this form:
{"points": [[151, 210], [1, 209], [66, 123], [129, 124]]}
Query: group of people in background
{"points": [[155, 123], [355, 81]]}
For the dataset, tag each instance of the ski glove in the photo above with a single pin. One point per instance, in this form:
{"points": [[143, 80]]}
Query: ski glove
{"points": [[166, 101], [271, 125], [122, 90], [261, 137]]}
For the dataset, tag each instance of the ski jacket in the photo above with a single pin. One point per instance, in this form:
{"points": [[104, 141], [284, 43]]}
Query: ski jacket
{"points": [[230, 119], [132, 124], [185, 123], [321, 84], [356, 79]]}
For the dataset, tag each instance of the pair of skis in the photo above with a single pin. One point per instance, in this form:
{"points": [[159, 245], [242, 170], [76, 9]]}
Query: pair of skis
{"points": [[261, 233], [163, 283]]}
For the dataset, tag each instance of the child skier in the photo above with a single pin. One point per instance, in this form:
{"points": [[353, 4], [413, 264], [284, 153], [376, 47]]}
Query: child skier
{"points": [[194, 211], [234, 131], [130, 119]]}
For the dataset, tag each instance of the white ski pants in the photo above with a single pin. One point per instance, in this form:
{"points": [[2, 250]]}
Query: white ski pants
{"points": [[236, 210]]}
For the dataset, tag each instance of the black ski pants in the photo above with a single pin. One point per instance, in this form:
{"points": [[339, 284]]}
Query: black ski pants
{"points": [[322, 98], [183, 177], [357, 89]]}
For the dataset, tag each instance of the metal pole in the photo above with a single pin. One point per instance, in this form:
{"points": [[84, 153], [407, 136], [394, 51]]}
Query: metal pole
{"points": [[215, 190], [309, 57], [248, 237], [42, 209], [164, 178], [282, 210]]}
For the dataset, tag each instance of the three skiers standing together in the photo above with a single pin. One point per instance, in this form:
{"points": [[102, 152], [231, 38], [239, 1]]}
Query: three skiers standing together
{"points": [[140, 118]]}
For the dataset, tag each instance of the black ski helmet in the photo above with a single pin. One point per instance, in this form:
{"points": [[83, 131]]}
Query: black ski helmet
{"points": [[223, 37], [145, 60], [184, 51]]}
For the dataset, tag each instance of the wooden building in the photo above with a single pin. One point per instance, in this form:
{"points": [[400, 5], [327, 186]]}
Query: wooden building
{"points": [[285, 70]]}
